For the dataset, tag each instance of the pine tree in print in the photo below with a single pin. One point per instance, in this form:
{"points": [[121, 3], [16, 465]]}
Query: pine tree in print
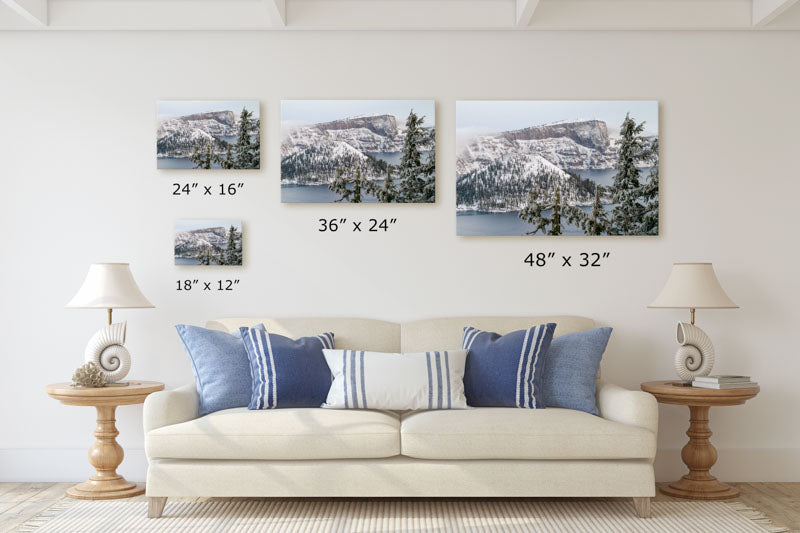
{"points": [[387, 193], [594, 223], [233, 250], [650, 194], [255, 146], [628, 212], [340, 185], [203, 156], [204, 256], [555, 225], [416, 178], [533, 213], [428, 169], [245, 149], [228, 161]]}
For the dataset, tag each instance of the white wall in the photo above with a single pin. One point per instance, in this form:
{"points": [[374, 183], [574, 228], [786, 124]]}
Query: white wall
{"points": [[79, 184]]}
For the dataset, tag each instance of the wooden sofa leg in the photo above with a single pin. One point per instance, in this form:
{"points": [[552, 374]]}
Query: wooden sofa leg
{"points": [[642, 506], [155, 506]]}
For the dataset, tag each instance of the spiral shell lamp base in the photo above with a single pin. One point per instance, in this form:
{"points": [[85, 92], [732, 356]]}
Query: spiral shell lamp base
{"points": [[695, 357], [106, 349]]}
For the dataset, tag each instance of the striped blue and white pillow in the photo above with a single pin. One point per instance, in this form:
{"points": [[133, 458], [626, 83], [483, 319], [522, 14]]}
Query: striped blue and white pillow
{"points": [[409, 381], [506, 371], [286, 372]]}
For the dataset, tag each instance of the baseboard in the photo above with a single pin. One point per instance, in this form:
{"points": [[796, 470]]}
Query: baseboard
{"points": [[52, 464], [70, 465], [738, 464]]}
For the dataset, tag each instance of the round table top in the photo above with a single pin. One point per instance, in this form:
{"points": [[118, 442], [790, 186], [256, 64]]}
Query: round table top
{"points": [[674, 392], [114, 394]]}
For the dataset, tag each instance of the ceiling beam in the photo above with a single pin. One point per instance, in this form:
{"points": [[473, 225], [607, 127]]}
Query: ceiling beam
{"points": [[525, 9], [282, 15], [34, 11], [277, 10], [400, 14], [765, 11]]}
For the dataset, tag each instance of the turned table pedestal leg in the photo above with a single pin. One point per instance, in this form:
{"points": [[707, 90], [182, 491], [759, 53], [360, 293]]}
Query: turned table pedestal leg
{"points": [[105, 455], [699, 455]]}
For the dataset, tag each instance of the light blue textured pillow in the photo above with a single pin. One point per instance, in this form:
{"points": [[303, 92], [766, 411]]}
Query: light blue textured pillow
{"points": [[286, 372], [571, 367], [220, 365], [506, 371]]}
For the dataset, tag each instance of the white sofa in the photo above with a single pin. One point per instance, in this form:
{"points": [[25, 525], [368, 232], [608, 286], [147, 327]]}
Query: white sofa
{"points": [[480, 452]]}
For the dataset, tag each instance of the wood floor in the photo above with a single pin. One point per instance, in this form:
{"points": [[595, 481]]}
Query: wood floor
{"points": [[21, 501]]}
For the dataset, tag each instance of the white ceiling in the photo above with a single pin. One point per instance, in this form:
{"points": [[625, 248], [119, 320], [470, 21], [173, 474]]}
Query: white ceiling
{"points": [[399, 14]]}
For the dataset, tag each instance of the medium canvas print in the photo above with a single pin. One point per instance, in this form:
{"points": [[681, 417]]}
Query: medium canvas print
{"points": [[208, 242], [358, 151], [557, 168], [206, 134]]}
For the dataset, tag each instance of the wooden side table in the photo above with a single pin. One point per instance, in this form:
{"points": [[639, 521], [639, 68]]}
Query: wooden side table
{"points": [[106, 454], [698, 454]]}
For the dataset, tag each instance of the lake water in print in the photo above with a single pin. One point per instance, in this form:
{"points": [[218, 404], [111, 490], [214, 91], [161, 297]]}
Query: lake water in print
{"points": [[476, 223], [291, 193], [179, 163], [294, 193], [183, 261]]}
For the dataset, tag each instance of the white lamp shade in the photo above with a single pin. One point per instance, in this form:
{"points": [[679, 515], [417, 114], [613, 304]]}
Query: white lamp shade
{"points": [[693, 286], [109, 286]]}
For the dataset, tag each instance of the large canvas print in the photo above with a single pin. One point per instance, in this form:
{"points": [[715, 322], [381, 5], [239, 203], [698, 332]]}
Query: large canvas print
{"points": [[557, 167], [208, 242], [358, 151], [206, 134]]}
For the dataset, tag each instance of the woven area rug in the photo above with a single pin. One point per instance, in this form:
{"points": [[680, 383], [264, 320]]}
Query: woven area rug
{"points": [[400, 515]]}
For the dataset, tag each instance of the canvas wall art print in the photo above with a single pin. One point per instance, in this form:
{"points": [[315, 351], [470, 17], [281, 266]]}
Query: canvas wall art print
{"points": [[208, 134], [358, 151], [557, 168], [208, 242]]}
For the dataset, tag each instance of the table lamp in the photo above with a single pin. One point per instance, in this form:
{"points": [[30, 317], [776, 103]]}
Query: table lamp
{"points": [[109, 286], [693, 286]]}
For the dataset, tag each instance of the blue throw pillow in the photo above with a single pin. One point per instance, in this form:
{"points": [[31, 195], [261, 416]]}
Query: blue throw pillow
{"points": [[286, 372], [506, 371], [571, 369], [220, 365]]}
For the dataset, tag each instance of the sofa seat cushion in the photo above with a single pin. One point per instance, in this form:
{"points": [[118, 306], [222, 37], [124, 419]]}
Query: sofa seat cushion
{"points": [[509, 433], [280, 434]]}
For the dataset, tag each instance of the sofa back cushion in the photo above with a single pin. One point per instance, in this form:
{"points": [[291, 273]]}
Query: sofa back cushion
{"points": [[416, 336], [351, 333], [447, 333]]}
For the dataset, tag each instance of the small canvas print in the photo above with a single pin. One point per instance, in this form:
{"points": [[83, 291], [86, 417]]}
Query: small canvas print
{"points": [[206, 134], [358, 151], [557, 167], [208, 242]]}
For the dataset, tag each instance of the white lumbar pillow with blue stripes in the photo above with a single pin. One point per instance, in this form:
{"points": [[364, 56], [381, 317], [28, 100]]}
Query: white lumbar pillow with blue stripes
{"points": [[396, 381]]}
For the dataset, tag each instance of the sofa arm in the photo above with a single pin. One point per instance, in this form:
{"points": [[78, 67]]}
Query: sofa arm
{"points": [[170, 407], [635, 408]]}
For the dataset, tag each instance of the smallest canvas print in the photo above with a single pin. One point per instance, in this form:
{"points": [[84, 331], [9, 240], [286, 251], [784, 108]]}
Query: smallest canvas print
{"points": [[208, 242]]}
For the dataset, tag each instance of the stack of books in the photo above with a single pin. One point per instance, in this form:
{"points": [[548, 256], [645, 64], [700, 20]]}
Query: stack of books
{"points": [[723, 382]]}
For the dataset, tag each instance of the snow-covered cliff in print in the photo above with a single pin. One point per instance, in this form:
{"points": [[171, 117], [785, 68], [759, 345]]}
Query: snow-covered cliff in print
{"points": [[357, 151], [208, 134], [522, 168], [375, 133], [208, 242]]}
